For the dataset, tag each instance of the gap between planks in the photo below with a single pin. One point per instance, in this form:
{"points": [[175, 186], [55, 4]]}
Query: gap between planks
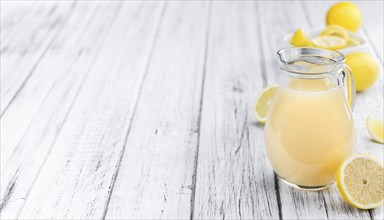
{"points": [[73, 101], [67, 112], [196, 159], [234, 199], [34, 66], [265, 83], [134, 110], [109, 46]]}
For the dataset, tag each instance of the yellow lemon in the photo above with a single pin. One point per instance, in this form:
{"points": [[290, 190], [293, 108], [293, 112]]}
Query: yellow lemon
{"points": [[360, 181], [345, 14], [365, 69], [335, 30], [329, 42], [264, 102], [300, 39], [376, 128]]}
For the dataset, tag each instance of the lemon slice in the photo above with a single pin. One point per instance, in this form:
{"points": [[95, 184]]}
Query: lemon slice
{"points": [[335, 30], [360, 181], [300, 39], [264, 102], [376, 128], [329, 42], [352, 42]]}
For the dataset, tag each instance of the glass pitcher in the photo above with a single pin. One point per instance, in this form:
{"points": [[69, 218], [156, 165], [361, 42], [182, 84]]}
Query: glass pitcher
{"points": [[310, 131]]}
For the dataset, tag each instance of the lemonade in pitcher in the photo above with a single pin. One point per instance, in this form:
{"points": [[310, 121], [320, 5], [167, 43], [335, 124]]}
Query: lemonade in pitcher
{"points": [[310, 131]]}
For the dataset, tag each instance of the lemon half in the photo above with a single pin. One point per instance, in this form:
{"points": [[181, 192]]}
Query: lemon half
{"points": [[300, 39], [329, 42], [352, 42], [360, 180], [376, 128], [264, 102]]}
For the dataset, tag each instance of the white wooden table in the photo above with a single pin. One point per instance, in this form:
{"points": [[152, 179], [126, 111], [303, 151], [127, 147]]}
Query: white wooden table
{"points": [[133, 109]]}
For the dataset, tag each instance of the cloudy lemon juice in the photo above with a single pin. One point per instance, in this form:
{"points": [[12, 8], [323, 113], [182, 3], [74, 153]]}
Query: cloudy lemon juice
{"points": [[309, 131]]}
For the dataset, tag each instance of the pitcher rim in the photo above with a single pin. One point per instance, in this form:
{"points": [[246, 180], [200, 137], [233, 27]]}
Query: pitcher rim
{"points": [[337, 58]]}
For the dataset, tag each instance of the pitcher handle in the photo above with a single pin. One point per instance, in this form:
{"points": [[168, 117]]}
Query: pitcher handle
{"points": [[349, 83]]}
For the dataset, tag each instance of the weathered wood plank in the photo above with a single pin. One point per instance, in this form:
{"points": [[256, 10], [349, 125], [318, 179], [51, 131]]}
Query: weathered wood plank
{"points": [[137, 115], [13, 12], [48, 96], [156, 174], [76, 179], [22, 48], [35, 91], [367, 102], [234, 179]]}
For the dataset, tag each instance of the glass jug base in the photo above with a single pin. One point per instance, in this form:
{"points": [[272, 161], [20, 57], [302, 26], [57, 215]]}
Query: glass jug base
{"points": [[305, 188]]}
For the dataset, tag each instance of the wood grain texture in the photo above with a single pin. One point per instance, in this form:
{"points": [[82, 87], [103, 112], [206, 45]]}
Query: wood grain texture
{"points": [[87, 149], [101, 116], [35, 90], [234, 179], [48, 95], [144, 109], [158, 162], [12, 12], [24, 46]]}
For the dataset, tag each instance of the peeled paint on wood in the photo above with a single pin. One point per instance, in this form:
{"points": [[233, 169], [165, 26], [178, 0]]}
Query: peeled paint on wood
{"points": [[135, 109]]}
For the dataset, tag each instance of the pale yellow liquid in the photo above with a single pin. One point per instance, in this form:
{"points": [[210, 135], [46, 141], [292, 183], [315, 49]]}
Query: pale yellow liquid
{"points": [[309, 132]]}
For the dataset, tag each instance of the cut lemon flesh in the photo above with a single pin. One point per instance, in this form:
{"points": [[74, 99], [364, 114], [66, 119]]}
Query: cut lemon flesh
{"points": [[360, 180], [352, 42], [335, 30], [329, 42], [300, 39], [264, 102], [376, 128]]}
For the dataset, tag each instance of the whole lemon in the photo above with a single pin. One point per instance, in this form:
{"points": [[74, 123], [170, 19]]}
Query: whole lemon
{"points": [[365, 69], [345, 14]]}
